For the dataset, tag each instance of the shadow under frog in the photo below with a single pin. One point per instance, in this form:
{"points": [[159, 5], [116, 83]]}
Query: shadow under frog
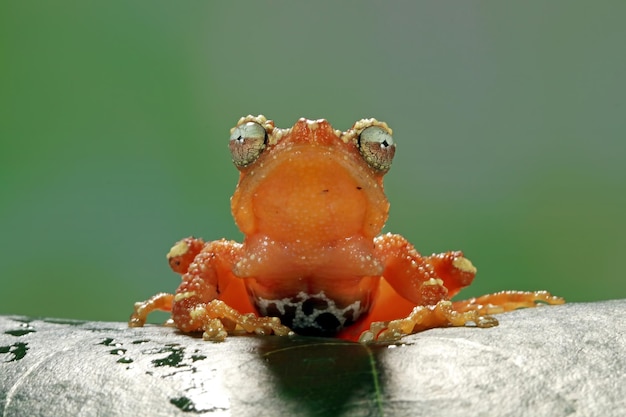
{"points": [[325, 376]]}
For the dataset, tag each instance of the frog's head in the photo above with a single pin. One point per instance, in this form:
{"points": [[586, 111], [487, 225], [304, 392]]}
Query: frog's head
{"points": [[310, 181]]}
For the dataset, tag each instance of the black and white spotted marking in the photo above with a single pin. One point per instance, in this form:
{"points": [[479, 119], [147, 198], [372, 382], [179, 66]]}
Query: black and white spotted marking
{"points": [[311, 314]]}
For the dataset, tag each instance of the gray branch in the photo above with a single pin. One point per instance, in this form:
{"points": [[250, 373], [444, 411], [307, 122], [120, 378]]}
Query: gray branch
{"points": [[551, 361]]}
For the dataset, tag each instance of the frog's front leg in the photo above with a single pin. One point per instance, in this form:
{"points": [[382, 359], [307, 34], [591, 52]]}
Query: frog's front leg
{"points": [[426, 281], [429, 282], [201, 302], [423, 280], [203, 299], [179, 257]]}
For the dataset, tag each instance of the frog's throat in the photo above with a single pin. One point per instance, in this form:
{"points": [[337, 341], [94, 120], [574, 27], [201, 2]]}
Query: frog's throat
{"points": [[311, 314]]}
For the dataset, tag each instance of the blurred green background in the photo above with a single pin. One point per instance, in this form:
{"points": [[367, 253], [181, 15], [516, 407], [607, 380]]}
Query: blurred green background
{"points": [[115, 116]]}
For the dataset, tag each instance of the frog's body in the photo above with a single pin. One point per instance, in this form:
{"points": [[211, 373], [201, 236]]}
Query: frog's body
{"points": [[310, 203]]}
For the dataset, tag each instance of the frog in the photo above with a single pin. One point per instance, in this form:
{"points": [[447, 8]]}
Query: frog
{"points": [[311, 206]]}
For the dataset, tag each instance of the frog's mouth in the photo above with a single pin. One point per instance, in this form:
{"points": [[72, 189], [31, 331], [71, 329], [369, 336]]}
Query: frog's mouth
{"points": [[311, 314]]}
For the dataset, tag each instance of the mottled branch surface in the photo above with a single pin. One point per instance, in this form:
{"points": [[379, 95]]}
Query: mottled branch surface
{"points": [[567, 360]]}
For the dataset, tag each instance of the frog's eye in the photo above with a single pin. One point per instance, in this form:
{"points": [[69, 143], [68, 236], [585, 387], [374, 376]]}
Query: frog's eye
{"points": [[246, 143], [377, 147]]}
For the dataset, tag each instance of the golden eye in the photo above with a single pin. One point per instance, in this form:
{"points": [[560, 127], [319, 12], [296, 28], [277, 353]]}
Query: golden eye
{"points": [[377, 147], [246, 143]]}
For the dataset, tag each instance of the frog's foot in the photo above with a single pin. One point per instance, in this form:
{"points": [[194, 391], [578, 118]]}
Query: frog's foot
{"points": [[446, 313], [423, 318], [218, 320], [162, 301], [501, 302]]}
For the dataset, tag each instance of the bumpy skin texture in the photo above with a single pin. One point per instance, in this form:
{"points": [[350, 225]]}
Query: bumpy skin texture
{"points": [[310, 203]]}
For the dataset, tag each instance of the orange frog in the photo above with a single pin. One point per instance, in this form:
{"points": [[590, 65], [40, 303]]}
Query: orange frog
{"points": [[310, 203]]}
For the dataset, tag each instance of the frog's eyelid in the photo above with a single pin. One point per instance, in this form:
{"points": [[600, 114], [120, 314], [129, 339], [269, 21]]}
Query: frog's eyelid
{"points": [[377, 147], [247, 142], [352, 135]]}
